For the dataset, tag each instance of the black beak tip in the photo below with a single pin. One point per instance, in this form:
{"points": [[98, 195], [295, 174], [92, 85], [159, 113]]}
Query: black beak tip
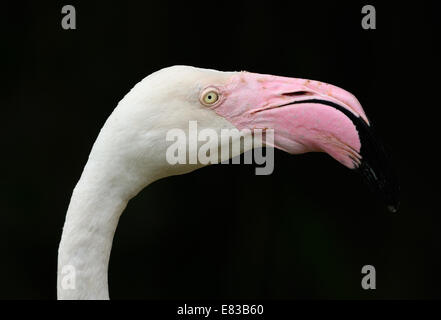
{"points": [[375, 166]]}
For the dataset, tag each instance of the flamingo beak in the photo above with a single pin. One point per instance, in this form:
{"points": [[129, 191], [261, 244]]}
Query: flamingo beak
{"points": [[311, 116]]}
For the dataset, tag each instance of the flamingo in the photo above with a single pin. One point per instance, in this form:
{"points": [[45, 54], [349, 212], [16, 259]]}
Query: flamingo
{"points": [[129, 152]]}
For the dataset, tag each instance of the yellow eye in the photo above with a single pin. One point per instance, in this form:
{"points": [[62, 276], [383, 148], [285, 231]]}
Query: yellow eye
{"points": [[210, 97]]}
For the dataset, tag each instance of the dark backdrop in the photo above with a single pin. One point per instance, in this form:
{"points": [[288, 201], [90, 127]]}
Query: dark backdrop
{"points": [[221, 232]]}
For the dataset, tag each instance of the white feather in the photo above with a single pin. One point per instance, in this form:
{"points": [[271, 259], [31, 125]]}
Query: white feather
{"points": [[129, 154]]}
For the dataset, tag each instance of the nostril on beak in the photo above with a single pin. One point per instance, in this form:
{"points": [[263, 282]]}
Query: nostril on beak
{"points": [[297, 94]]}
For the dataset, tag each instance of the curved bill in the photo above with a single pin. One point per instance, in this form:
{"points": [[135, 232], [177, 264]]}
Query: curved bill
{"points": [[312, 116], [374, 165]]}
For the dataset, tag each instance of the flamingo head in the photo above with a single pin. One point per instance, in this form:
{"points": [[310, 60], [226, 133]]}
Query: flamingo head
{"points": [[306, 116]]}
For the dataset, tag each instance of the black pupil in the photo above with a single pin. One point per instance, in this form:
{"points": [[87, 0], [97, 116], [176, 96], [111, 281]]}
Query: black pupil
{"points": [[209, 97]]}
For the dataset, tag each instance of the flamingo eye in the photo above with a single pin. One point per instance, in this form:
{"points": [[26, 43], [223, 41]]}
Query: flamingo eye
{"points": [[210, 97]]}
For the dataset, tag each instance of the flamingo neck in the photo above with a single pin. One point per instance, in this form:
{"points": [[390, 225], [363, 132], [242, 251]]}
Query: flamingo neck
{"points": [[92, 217]]}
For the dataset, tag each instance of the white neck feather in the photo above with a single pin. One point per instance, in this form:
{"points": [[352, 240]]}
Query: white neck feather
{"points": [[128, 154], [97, 202], [121, 163], [88, 232]]}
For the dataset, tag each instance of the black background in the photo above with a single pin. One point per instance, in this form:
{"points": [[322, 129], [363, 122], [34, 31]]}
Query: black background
{"points": [[221, 232]]}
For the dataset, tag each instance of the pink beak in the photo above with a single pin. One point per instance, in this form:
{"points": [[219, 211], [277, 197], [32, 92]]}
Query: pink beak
{"points": [[310, 116]]}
